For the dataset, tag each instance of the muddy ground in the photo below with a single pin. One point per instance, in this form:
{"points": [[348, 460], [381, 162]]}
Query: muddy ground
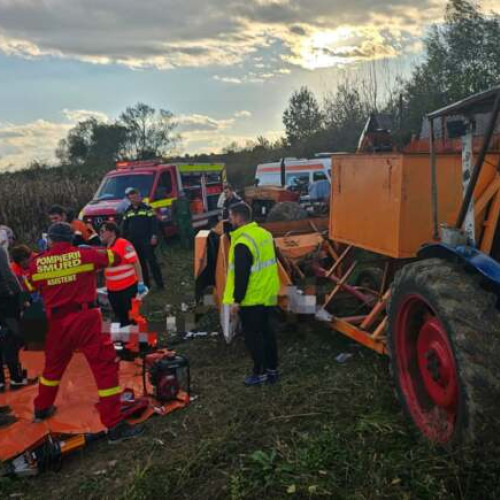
{"points": [[327, 430]]}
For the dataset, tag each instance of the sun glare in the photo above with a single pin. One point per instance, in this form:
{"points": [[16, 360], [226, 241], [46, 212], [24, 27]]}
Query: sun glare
{"points": [[320, 50]]}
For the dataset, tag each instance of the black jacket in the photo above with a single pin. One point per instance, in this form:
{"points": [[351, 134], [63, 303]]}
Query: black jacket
{"points": [[9, 286], [139, 224]]}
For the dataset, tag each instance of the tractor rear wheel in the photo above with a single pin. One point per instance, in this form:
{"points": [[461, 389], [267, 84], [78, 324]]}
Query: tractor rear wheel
{"points": [[444, 343]]}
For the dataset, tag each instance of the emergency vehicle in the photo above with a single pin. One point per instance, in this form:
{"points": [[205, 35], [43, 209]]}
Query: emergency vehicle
{"points": [[299, 174], [159, 184]]}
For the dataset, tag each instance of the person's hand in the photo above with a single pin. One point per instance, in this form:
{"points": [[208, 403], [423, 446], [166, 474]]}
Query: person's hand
{"points": [[235, 309], [154, 240], [141, 288]]}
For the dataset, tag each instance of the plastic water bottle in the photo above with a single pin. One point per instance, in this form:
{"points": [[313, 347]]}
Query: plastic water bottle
{"points": [[171, 324], [43, 243]]}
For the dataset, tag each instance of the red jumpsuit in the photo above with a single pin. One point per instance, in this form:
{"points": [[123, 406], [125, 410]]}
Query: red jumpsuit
{"points": [[65, 276]]}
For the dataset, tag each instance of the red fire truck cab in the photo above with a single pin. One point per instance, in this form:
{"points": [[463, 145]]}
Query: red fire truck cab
{"points": [[159, 184]]}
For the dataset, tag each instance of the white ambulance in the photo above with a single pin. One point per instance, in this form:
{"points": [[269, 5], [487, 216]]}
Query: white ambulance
{"points": [[298, 173]]}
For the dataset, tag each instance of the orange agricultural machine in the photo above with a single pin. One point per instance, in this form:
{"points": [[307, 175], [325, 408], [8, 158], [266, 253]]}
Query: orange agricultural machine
{"points": [[409, 267]]}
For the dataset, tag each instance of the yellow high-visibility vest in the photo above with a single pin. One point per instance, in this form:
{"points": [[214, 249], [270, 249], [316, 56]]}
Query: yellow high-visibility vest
{"points": [[264, 283]]}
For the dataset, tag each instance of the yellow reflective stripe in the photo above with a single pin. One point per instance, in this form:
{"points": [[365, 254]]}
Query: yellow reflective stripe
{"points": [[253, 243], [28, 285], [162, 203], [263, 265], [201, 167], [106, 393], [49, 383], [111, 257], [139, 213], [84, 268]]}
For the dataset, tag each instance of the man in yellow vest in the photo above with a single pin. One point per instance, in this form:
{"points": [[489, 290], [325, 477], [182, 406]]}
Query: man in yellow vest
{"points": [[252, 288]]}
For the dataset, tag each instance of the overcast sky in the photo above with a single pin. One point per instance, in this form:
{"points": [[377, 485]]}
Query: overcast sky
{"points": [[225, 68]]}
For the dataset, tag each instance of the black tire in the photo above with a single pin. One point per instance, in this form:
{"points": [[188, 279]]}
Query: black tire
{"points": [[471, 321], [370, 278], [286, 211]]}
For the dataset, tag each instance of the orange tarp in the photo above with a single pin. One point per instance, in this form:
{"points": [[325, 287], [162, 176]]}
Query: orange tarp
{"points": [[76, 404]]}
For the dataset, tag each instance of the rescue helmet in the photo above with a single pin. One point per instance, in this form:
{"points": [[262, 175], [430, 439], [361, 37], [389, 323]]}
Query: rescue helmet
{"points": [[60, 231]]}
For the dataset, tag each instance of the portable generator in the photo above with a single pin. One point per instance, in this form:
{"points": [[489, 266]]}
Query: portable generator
{"points": [[169, 375]]}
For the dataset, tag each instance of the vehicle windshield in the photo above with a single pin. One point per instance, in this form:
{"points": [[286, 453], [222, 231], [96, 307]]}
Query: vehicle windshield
{"points": [[113, 188]]}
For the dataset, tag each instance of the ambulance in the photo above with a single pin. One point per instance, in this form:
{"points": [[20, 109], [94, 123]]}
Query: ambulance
{"points": [[299, 174]]}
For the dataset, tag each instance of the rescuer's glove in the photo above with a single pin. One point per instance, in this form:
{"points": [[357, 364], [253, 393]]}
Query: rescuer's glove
{"points": [[141, 288]]}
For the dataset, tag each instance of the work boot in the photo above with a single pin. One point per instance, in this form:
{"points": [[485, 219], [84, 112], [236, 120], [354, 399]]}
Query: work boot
{"points": [[255, 379], [6, 419], [41, 415], [18, 378], [272, 376], [123, 431]]}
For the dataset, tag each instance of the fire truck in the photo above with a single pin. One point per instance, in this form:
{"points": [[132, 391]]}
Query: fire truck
{"points": [[159, 184]]}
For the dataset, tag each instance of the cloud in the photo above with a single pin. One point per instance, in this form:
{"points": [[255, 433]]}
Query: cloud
{"points": [[243, 114], [202, 133], [201, 123], [228, 79], [23, 143], [79, 115], [166, 34], [20, 144]]}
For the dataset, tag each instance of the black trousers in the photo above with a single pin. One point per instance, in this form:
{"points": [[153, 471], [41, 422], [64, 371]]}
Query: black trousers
{"points": [[10, 338], [121, 303], [147, 257], [260, 338]]}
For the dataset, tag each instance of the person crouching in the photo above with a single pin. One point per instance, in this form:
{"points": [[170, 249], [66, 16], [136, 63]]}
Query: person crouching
{"points": [[125, 281]]}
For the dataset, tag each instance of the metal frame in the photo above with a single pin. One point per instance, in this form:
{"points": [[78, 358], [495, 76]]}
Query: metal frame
{"points": [[368, 328], [483, 101]]}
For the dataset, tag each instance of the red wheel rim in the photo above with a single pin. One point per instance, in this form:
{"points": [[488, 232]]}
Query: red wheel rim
{"points": [[426, 368]]}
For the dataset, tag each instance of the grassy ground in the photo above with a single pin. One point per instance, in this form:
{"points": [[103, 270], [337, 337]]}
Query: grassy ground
{"points": [[328, 430]]}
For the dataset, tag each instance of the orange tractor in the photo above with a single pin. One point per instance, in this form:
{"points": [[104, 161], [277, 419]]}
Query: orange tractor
{"points": [[412, 244]]}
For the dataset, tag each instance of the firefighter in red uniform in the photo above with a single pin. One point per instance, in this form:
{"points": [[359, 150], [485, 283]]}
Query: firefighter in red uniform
{"points": [[65, 277]]}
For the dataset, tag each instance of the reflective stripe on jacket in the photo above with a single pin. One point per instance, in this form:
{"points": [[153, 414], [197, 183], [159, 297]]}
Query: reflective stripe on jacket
{"points": [[123, 276], [264, 283]]}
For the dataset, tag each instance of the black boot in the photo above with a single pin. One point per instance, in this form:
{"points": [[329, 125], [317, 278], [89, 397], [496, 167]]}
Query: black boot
{"points": [[18, 377], [44, 414], [7, 419], [123, 431]]}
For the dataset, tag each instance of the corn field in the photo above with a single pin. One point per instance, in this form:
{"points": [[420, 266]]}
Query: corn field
{"points": [[26, 196]]}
